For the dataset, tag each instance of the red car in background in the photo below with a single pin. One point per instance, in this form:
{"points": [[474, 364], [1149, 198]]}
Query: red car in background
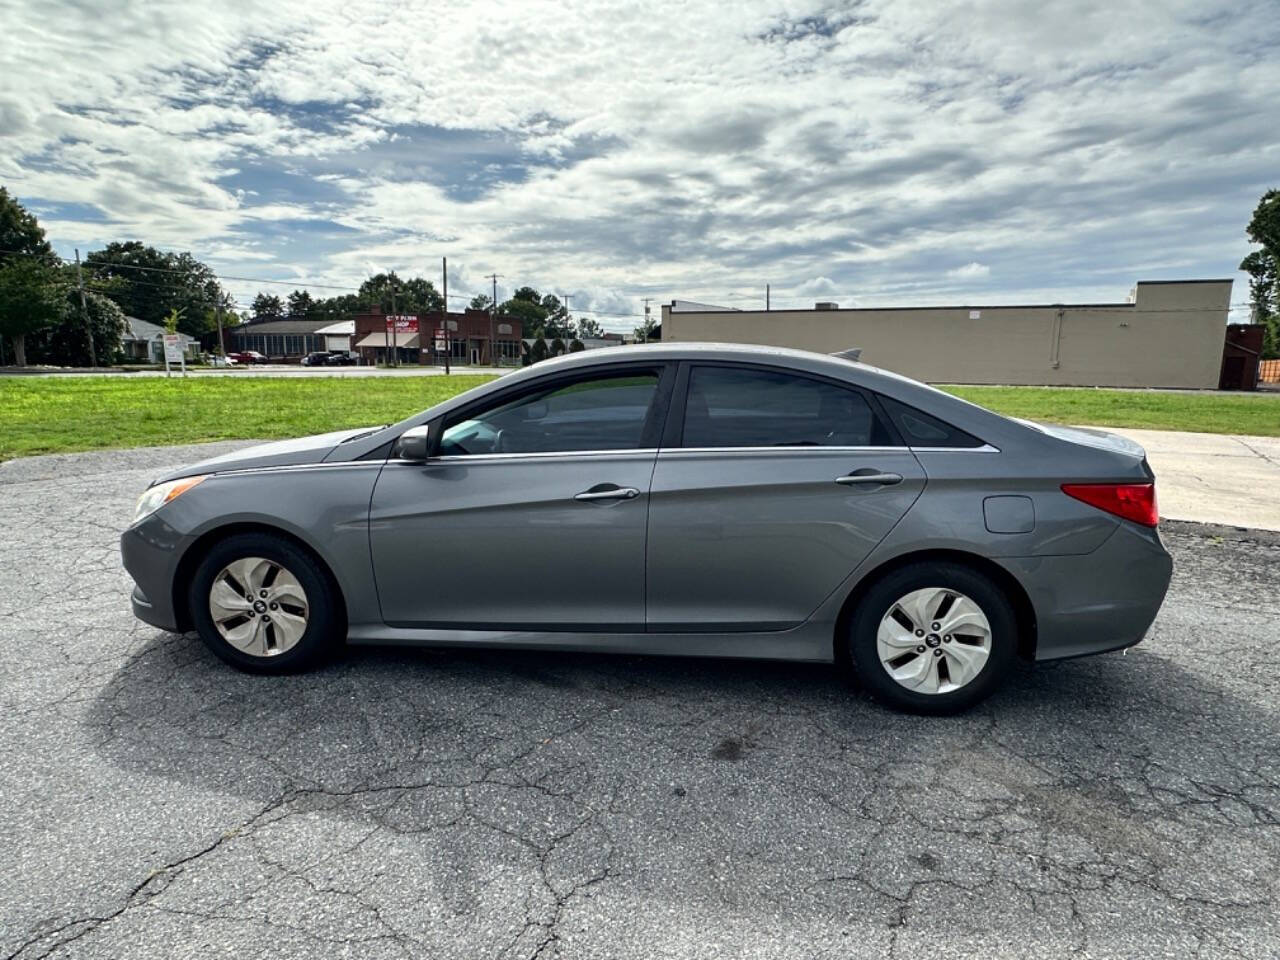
{"points": [[247, 356]]}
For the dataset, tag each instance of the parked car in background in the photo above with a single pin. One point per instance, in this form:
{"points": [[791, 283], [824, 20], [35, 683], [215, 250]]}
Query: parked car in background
{"points": [[317, 358], [247, 356], [219, 361], [341, 358], [692, 499]]}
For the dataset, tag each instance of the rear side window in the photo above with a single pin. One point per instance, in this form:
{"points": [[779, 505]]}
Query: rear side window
{"points": [[923, 430], [728, 407]]}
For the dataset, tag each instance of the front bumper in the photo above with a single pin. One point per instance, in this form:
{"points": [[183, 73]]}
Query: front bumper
{"points": [[1100, 601], [150, 552]]}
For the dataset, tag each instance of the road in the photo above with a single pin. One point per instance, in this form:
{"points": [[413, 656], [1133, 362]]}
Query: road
{"points": [[473, 804]]}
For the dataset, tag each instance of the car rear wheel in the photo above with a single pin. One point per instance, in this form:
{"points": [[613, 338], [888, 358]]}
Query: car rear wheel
{"points": [[933, 638], [264, 605]]}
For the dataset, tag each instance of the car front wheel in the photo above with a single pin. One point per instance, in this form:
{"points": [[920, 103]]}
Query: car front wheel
{"points": [[264, 605], [933, 638]]}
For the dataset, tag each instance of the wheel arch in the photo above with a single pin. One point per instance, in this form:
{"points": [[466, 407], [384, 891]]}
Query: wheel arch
{"points": [[197, 551], [1023, 610]]}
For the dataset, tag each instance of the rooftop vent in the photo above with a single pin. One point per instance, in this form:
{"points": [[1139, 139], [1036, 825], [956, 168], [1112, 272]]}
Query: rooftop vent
{"points": [[826, 305]]}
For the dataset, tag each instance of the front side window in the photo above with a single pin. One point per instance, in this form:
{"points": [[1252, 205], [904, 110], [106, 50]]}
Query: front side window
{"points": [[603, 413], [727, 407]]}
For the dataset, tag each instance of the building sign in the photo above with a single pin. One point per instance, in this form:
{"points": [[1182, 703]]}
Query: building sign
{"points": [[172, 348], [173, 353], [402, 324]]}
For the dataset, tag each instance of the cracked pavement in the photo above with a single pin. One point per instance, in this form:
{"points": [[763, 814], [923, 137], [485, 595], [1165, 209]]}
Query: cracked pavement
{"points": [[494, 804]]}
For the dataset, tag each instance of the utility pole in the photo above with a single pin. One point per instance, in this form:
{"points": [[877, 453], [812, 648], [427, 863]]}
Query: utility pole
{"points": [[217, 314], [84, 312], [395, 343], [493, 313], [766, 296], [566, 297], [444, 319], [644, 337]]}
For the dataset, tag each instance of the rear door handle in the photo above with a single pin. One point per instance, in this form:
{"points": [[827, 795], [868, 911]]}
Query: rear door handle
{"points": [[856, 479], [612, 493]]}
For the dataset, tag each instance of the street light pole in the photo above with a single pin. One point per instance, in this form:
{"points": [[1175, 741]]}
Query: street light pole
{"points": [[493, 313], [444, 316], [84, 312]]}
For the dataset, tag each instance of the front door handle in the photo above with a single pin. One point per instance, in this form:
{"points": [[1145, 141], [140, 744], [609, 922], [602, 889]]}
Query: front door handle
{"points": [[609, 493], [856, 479]]}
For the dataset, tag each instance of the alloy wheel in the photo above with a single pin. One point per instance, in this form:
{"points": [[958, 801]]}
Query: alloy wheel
{"points": [[258, 607], [934, 640]]}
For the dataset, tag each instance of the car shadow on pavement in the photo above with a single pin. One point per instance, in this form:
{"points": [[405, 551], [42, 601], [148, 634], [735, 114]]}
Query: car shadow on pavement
{"points": [[1119, 786], [1114, 724]]}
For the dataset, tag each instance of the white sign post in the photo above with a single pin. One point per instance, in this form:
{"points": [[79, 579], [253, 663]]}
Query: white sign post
{"points": [[173, 353]]}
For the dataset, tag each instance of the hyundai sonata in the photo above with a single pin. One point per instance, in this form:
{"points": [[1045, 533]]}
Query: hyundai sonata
{"points": [[692, 499]]}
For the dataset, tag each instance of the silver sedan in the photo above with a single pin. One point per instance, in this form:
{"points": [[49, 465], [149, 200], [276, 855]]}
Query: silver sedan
{"points": [[689, 499]]}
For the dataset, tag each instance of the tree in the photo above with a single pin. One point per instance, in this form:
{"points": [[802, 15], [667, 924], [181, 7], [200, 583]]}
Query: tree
{"points": [[587, 327], [576, 346], [559, 323], [267, 307], [480, 301], [526, 305], [147, 283], [29, 283], [64, 342], [32, 298], [301, 306], [390, 293], [647, 331], [20, 232], [1263, 267]]}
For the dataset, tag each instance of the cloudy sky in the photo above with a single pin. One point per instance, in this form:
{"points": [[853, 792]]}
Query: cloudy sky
{"points": [[874, 153]]}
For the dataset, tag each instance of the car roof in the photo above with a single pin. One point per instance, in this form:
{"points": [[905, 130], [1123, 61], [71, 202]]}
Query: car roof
{"points": [[828, 364]]}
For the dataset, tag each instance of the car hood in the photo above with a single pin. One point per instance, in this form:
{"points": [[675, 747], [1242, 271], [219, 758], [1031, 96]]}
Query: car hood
{"points": [[280, 453]]}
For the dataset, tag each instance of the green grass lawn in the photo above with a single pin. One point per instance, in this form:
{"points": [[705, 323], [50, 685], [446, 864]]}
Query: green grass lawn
{"points": [[65, 414], [1255, 414]]}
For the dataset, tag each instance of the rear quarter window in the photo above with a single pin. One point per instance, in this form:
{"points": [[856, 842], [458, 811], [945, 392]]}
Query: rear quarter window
{"points": [[921, 429]]}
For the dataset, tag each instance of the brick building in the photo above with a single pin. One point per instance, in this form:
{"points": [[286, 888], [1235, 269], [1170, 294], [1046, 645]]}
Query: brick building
{"points": [[473, 338]]}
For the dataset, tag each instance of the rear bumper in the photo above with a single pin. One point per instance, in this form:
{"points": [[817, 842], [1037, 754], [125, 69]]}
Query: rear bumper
{"points": [[1104, 600]]}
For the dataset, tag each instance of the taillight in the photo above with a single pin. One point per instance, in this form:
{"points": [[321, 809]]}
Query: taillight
{"points": [[1132, 501]]}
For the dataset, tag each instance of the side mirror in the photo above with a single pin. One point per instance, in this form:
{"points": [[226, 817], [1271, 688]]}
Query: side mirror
{"points": [[414, 443]]}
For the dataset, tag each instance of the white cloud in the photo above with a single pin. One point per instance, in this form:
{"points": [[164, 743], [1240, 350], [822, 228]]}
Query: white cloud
{"points": [[1074, 148], [970, 271]]}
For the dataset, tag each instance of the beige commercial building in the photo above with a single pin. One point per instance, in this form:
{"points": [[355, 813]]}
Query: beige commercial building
{"points": [[1168, 334]]}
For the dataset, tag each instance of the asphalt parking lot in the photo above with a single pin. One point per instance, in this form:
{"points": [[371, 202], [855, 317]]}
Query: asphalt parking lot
{"points": [[473, 804]]}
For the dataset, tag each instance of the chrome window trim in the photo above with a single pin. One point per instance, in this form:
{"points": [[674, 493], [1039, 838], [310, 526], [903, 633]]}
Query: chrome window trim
{"points": [[785, 450], [631, 453], [985, 448]]}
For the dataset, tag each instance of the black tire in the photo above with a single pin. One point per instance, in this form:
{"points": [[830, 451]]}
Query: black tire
{"points": [[861, 649], [325, 627]]}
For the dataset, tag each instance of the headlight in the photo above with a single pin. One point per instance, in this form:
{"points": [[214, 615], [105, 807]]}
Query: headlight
{"points": [[157, 496]]}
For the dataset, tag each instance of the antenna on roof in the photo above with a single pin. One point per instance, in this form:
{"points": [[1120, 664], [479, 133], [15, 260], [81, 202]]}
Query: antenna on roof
{"points": [[852, 354]]}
